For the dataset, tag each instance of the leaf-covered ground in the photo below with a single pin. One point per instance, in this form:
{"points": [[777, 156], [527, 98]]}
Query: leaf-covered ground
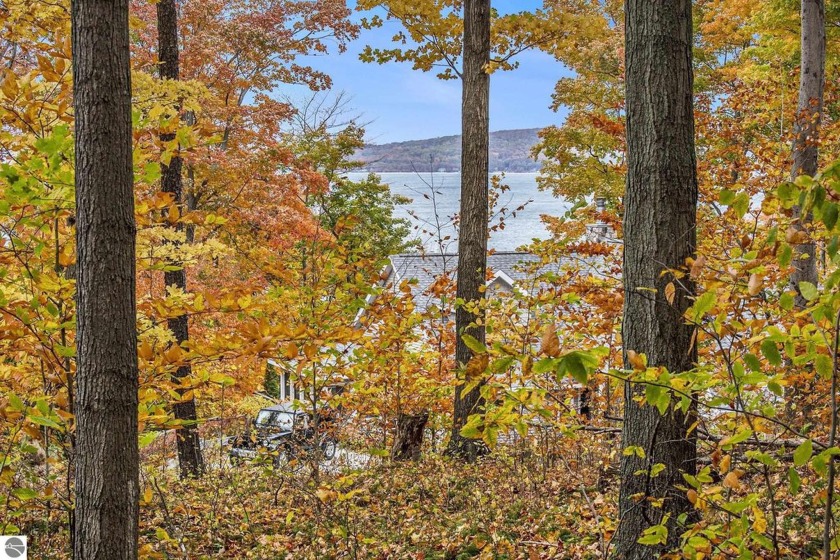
{"points": [[510, 506]]}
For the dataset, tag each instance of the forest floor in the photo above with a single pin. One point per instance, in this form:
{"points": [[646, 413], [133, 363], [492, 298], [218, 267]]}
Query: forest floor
{"points": [[432, 509], [516, 505]]}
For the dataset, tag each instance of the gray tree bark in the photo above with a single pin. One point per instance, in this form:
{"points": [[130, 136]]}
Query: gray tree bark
{"points": [[659, 233], [472, 236], [190, 458], [807, 130], [107, 471]]}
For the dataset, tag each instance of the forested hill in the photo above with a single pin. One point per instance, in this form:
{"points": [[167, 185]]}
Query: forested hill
{"points": [[510, 150]]}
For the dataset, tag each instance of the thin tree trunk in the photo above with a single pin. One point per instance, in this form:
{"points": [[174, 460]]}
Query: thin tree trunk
{"points": [[190, 459], [408, 441], [659, 234], [107, 458], [472, 236], [807, 130]]}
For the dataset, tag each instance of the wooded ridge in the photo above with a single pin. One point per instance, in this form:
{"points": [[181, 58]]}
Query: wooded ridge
{"points": [[510, 151]]}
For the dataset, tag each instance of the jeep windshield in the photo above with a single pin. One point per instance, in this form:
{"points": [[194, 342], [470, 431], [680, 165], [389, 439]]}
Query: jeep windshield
{"points": [[276, 419]]}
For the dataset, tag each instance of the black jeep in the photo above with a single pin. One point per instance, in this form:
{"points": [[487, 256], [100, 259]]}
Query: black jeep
{"points": [[284, 433]]}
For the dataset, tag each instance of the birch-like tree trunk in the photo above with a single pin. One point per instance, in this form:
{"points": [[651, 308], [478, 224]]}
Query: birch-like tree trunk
{"points": [[807, 130]]}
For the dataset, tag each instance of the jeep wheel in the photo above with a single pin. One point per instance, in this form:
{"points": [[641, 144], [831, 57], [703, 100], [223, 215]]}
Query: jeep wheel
{"points": [[328, 448]]}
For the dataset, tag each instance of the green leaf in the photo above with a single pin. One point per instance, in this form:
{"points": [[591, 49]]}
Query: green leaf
{"points": [[741, 204], [803, 453], [785, 255], [503, 364], [824, 366], [652, 393], [795, 481], [771, 352], [545, 365], [48, 422], [737, 507], [763, 540], [656, 469], [16, 403], [752, 362], [832, 246], [147, 438], [740, 437], [473, 344], [829, 216], [727, 197], [702, 305], [786, 300], [808, 291], [763, 458], [634, 450], [25, 493], [578, 364], [161, 534], [658, 534], [787, 192]]}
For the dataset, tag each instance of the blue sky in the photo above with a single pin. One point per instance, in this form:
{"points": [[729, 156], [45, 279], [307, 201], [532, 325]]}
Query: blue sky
{"points": [[404, 104]]}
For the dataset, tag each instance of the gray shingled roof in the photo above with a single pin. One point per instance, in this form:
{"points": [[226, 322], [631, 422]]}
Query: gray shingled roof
{"points": [[426, 268]]}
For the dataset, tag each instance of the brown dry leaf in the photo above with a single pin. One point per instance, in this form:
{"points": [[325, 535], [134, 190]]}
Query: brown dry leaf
{"points": [[732, 480], [550, 342], [146, 351], [636, 360], [795, 236], [477, 366], [290, 350], [692, 496], [755, 285], [745, 241], [697, 267]]}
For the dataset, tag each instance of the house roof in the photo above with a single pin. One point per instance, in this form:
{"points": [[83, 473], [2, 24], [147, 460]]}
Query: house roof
{"points": [[511, 269]]}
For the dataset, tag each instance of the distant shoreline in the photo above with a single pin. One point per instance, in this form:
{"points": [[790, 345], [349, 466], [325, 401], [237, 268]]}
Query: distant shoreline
{"points": [[510, 152]]}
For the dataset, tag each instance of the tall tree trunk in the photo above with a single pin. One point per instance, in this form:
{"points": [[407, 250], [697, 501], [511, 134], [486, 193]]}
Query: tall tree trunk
{"points": [[190, 459], [472, 236], [107, 458], [807, 129], [659, 234]]}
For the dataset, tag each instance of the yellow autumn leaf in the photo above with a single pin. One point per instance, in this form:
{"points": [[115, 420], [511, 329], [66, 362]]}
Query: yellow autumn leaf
{"points": [[759, 524]]}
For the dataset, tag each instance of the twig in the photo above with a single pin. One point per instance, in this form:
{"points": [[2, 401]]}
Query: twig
{"points": [[829, 498], [582, 490]]}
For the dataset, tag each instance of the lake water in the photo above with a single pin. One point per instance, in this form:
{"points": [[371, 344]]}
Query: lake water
{"points": [[430, 212]]}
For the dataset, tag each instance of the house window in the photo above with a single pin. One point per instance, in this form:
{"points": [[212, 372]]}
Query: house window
{"points": [[285, 394]]}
